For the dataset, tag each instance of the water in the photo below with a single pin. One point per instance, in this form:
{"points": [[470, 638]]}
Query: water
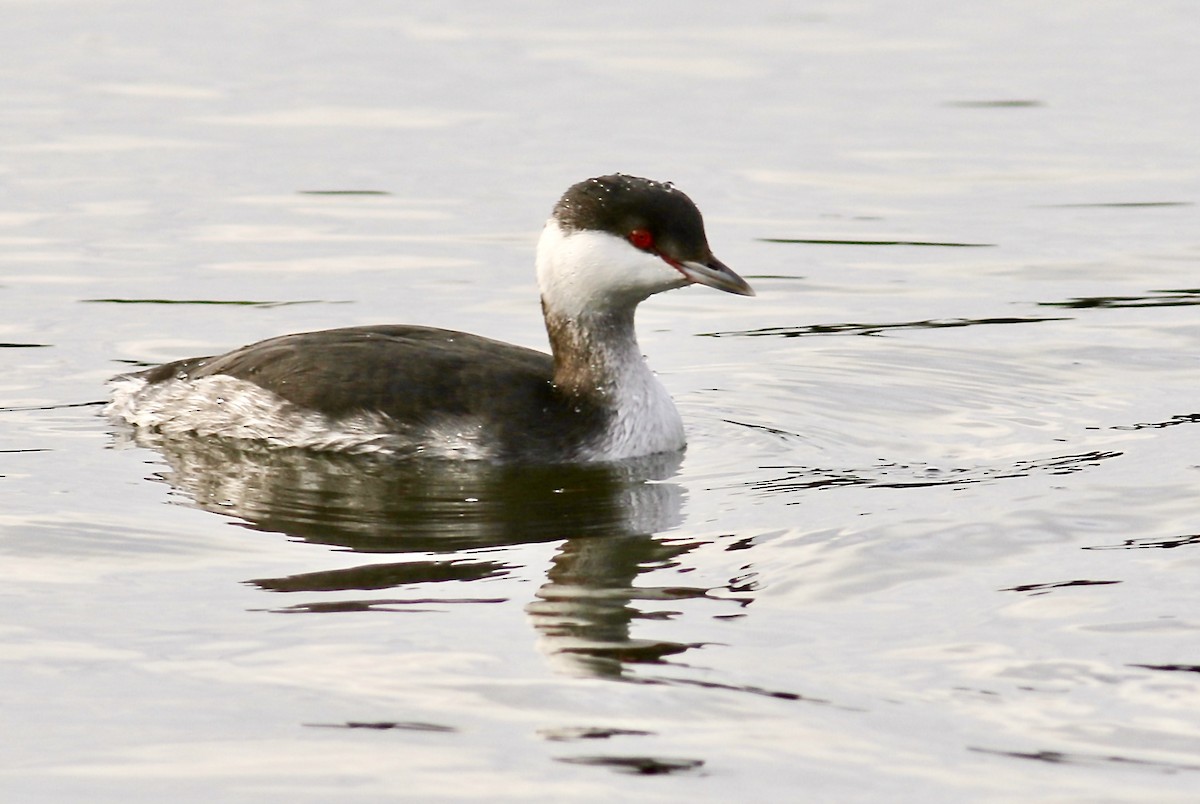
{"points": [[936, 533]]}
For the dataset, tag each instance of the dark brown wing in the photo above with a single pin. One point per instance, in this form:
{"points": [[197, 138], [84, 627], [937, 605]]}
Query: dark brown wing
{"points": [[414, 375]]}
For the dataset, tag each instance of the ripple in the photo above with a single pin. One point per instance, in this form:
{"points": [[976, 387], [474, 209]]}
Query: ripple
{"points": [[351, 117], [385, 576], [638, 765], [1171, 668], [1011, 103], [875, 329], [230, 302], [1183, 418], [1155, 298], [1043, 588], [1151, 544], [571, 733], [1120, 204], [903, 476], [927, 243], [411, 606], [1079, 758], [344, 192], [386, 725]]}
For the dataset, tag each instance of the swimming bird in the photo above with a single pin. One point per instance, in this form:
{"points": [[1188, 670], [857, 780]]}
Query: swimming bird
{"points": [[610, 243]]}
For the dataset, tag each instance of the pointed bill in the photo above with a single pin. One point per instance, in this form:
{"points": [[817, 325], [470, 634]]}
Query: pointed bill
{"points": [[715, 274]]}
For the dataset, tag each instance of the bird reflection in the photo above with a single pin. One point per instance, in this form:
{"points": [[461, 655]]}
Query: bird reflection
{"points": [[584, 611], [605, 516]]}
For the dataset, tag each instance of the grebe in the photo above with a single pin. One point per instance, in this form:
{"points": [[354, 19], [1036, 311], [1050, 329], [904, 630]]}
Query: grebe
{"points": [[610, 243]]}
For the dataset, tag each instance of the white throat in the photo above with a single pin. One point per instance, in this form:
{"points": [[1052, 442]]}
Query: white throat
{"points": [[581, 272]]}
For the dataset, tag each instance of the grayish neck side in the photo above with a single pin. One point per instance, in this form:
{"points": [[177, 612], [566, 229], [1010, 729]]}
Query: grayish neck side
{"points": [[596, 355]]}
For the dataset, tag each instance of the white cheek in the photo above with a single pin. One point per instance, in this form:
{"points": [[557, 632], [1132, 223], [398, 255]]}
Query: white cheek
{"points": [[588, 271]]}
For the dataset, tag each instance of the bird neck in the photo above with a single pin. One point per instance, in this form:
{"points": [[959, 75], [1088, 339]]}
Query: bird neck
{"points": [[596, 354]]}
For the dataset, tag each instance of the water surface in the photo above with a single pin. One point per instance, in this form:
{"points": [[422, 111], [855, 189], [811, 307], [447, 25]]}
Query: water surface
{"points": [[936, 533]]}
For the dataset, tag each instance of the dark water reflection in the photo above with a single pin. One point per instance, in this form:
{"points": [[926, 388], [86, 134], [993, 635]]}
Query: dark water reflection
{"points": [[371, 505], [605, 517]]}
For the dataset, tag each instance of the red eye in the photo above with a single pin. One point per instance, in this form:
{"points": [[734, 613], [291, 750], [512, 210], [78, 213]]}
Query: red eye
{"points": [[641, 238]]}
